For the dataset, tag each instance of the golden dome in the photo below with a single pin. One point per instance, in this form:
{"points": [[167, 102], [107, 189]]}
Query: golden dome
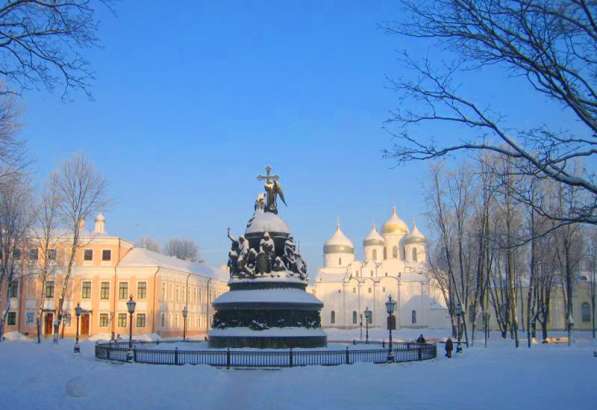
{"points": [[395, 225]]}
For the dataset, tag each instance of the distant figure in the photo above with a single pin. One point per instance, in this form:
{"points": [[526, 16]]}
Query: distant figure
{"points": [[449, 348], [421, 339]]}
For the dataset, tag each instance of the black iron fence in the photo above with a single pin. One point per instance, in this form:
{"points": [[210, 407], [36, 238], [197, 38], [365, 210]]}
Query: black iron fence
{"points": [[142, 353]]}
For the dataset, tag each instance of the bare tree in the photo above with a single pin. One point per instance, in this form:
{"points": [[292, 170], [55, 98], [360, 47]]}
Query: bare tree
{"points": [[46, 239], [41, 43], [184, 249], [15, 221], [148, 243], [551, 44], [81, 192]]}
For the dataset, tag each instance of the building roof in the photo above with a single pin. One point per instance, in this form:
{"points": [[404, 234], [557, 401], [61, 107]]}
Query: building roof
{"points": [[141, 257], [395, 225], [415, 235], [338, 243], [373, 237]]}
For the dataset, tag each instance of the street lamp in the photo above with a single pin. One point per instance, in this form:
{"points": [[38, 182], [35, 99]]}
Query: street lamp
{"points": [[459, 313], [78, 311], [130, 305], [570, 326], [185, 313], [367, 320], [390, 307]]}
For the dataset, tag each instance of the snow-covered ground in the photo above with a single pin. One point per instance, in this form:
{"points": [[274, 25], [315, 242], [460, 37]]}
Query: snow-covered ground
{"points": [[49, 376]]}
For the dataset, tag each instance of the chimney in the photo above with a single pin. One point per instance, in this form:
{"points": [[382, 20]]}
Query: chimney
{"points": [[100, 223]]}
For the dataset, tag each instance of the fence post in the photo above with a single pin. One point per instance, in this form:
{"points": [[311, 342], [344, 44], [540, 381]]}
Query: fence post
{"points": [[290, 357], [347, 357], [228, 358], [134, 355], [176, 355], [419, 353]]}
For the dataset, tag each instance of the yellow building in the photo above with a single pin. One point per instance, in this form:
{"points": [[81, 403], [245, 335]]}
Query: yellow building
{"points": [[108, 270]]}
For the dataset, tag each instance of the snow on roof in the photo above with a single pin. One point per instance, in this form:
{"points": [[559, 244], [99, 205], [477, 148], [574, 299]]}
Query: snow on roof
{"points": [[339, 239], [141, 257], [266, 222]]}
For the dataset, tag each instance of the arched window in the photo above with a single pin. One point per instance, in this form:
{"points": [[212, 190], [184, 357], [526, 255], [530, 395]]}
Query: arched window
{"points": [[585, 310], [415, 256], [374, 254], [395, 252], [354, 317], [413, 318], [332, 317], [385, 253], [339, 261]]}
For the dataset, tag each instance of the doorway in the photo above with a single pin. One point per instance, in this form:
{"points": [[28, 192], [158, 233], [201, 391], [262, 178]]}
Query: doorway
{"points": [[48, 322], [85, 325]]}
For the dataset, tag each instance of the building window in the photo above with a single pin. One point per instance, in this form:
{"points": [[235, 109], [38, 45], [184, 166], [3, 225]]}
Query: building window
{"points": [[30, 318], [354, 317], [413, 318], [369, 290], [339, 261], [415, 256], [86, 290], [105, 291], [374, 254], [585, 309], [332, 317], [163, 319], [383, 290], [123, 290], [104, 320], [370, 320], [50, 289], [140, 319], [52, 254], [395, 252], [122, 320], [88, 255], [163, 291], [106, 255], [13, 289], [385, 253], [11, 319], [141, 290], [354, 290], [33, 254]]}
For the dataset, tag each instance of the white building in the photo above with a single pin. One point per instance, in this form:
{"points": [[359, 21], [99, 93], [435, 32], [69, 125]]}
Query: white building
{"points": [[394, 263]]}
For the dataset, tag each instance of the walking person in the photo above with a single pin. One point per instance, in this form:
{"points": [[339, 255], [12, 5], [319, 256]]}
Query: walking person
{"points": [[449, 348]]}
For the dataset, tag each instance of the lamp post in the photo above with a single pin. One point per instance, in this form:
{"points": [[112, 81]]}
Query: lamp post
{"points": [[185, 313], [78, 311], [361, 327], [390, 307], [367, 320], [570, 325], [130, 305], [459, 313]]}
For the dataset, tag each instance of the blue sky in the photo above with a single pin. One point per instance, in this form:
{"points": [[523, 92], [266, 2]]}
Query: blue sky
{"points": [[192, 100]]}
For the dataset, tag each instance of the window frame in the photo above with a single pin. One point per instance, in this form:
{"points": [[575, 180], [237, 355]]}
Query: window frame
{"points": [[106, 252], [104, 290], [86, 289], [141, 318], [120, 290], [102, 316], [144, 296], [87, 252]]}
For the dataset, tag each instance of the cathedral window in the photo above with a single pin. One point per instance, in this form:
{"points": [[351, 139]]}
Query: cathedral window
{"points": [[332, 317], [354, 317], [339, 261], [585, 312], [374, 254], [395, 252], [415, 256], [413, 317], [385, 253]]}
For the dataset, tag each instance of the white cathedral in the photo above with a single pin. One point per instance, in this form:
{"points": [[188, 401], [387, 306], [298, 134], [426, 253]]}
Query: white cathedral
{"points": [[394, 263]]}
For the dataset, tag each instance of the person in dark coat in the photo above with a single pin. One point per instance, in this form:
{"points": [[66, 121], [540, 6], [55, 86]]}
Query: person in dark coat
{"points": [[449, 348], [421, 339]]}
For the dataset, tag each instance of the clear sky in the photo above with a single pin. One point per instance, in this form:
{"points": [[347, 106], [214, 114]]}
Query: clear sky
{"points": [[192, 99]]}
